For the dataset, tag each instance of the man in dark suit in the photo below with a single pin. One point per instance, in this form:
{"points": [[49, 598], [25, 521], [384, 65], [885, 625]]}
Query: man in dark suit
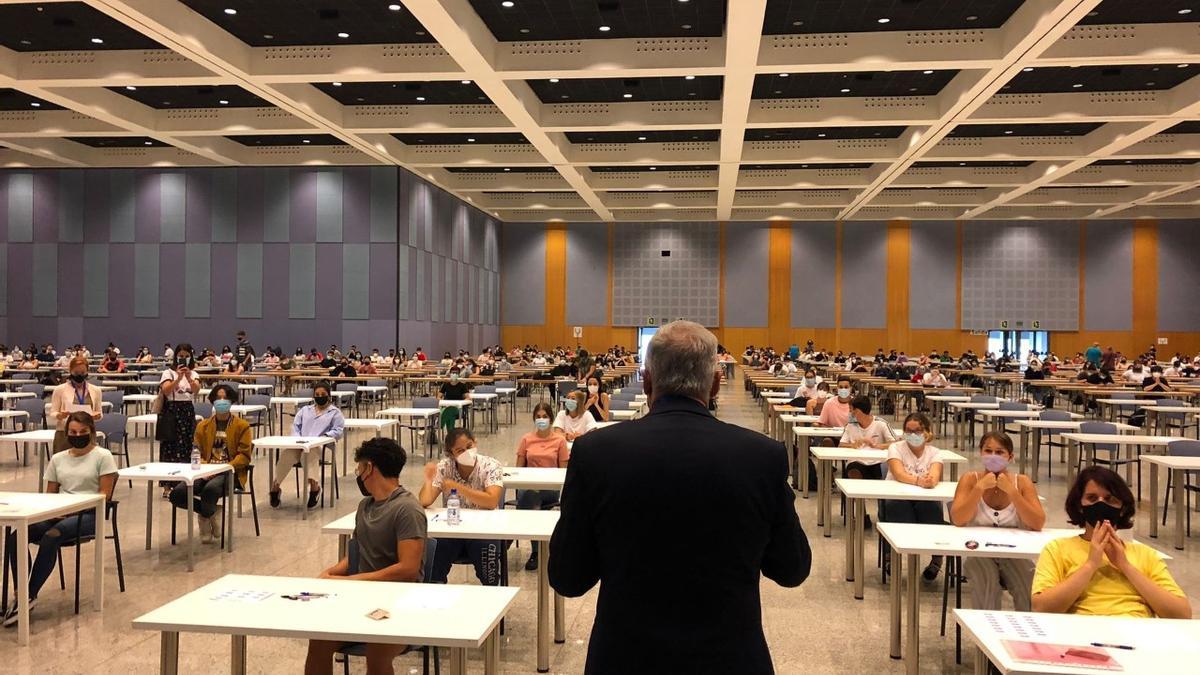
{"points": [[676, 515]]}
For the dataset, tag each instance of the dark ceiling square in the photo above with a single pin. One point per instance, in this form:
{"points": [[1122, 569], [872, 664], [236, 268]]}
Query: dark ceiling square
{"points": [[501, 169], [280, 140], [438, 92], [525, 20], [118, 141], [463, 139], [1064, 79], [1146, 162], [790, 17], [655, 169], [811, 167], [614, 89], [972, 165], [823, 133], [1189, 127], [268, 23], [205, 96], [699, 135], [12, 99], [65, 26], [834, 85], [930, 190], [1141, 11], [1053, 129]]}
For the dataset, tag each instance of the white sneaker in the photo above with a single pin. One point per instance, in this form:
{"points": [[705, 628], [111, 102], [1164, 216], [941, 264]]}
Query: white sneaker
{"points": [[10, 616], [205, 529], [216, 523]]}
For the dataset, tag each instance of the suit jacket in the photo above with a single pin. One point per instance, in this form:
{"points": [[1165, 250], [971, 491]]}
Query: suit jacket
{"points": [[676, 515]]}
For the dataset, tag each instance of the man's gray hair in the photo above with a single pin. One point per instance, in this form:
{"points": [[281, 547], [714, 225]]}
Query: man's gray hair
{"points": [[681, 359]]}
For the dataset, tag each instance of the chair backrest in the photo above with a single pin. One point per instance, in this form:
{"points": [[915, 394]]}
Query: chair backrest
{"points": [[203, 408], [36, 409], [33, 388], [425, 402], [376, 383], [303, 392], [150, 377], [1167, 402], [112, 426], [982, 398], [1055, 416], [1013, 405], [426, 564], [506, 384], [564, 388], [116, 398], [1123, 395], [1184, 448], [485, 389], [952, 392], [22, 376], [236, 386], [346, 386], [258, 399], [1094, 427]]}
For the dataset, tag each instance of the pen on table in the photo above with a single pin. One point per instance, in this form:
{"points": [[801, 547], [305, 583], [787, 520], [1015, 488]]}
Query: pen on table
{"points": [[1001, 545], [1102, 644], [174, 473]]}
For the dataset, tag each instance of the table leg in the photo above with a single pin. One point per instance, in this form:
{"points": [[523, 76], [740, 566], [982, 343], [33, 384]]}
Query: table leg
{"points": [[227, 526], [22, 580], [237, 656], [458, 661], [1023, 449], [820, 493], [790, 446], [1154, 500], [168, 655], [149, 511], [981, 662], [98, 550], [1037, 453], [491, 652], [912, 662], [802, 462], [543, 608], [827, 500], [851, 504], [191, 490], [894, 610], [1072, 459], [1177, 478], [343, 545], [304, 483], [346, 452], [560, 620], [859, 511], [41, 453]]}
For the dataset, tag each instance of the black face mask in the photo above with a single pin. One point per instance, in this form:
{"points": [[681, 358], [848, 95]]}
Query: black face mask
{"points": [[79, 442], [362, 487], [1094, 514], [321, 400], [78, 378]]}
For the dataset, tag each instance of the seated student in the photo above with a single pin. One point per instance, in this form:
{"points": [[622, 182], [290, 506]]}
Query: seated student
{"points": [[916, 462], [82, 469], [234, 367], [322, 418], [835, 411], [1097, 572], [343, 369], [1136, 374], [390, 529], [573, 421], [367, 367], [935, 378], [540, 448], [807, 388], [997, 497], [817, 400], [113, 363], [479, 481], [454, 390], [597, 400], [864, 430], [1100, 377], [1156, 381], [222, 439]]}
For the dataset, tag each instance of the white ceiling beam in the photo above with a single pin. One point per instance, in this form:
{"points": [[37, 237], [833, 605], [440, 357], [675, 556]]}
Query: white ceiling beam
{"points": [[112, 68], [50, 151], [467, 39], [743, 34]]}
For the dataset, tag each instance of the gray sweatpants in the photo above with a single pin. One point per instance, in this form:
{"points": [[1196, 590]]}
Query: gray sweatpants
{"points": [[983, 580]]}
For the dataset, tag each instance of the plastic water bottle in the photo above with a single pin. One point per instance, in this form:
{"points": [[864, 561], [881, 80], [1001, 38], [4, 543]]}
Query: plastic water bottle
{"points": [[195, 459], [453, 503]]}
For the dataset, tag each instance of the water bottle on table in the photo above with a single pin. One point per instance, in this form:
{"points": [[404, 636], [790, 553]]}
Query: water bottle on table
{"points": [[195, 459], [453, 504]]}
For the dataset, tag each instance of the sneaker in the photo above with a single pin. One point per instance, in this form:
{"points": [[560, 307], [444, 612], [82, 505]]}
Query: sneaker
{"points": [[10, 616], [532, 563], [205, 530], [313, 495], [932, 569], [275, 501]]}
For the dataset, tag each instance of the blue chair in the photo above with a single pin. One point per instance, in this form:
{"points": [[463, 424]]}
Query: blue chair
{"points": [[112, 426], [36, 409], [203, 409], [258, 419], [1049, 434], [350, 387], [1169, 421], [1182, 448], [116, 399], [1114, 459], [359, 648]]}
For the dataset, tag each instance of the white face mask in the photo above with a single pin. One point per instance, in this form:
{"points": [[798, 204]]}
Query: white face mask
{"points": [[467, 458], [592, 389], [914, 440], [843, 393]]}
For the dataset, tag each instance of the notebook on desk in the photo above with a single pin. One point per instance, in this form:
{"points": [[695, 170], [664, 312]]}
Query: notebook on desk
{"points": [[1061, 655]]}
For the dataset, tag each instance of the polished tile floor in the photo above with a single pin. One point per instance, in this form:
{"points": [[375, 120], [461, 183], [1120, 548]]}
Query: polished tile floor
{"points": [[816, 628]]}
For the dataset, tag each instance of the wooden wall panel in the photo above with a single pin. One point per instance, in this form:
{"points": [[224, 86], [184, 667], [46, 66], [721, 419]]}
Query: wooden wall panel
{"points": [[779, 282]]}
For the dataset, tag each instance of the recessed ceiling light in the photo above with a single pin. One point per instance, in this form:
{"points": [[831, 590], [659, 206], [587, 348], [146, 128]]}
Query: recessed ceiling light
{"points": [[524, 30], [26, 42], [230, 11], [565, 96], [686, 26], [554, 80], [1077, 85], [778, 91], [927, 72], [420, 98], [35, 104], [97, 41], [605, 29], [912, 88], [507, 3], [972, 17], [394, 7], [1185, 11], [628, 95], [420, 32], [337, 84], [470, 140], [466, 82], [507, 169], [147, 143], [654, 168], [1182, 65], [268, 36], [1027, 69], [223, 102], [845, 91], [689, 77], [1008, 132], [885, 20], [797, 23], [962, 163], [820, 135], [1149, 84], [641, 138], [305, 141], [343, 35], [130, 87]]}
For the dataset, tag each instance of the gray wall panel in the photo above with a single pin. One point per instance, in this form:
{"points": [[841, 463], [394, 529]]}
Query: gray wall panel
{"points": [[197, 280], [249, 281], [70, 205], [95, 280], [4, 282], [302, 281], [1108, 275], [224, 205], [145, 280], [384, 203], [403, 264], [933, 275], [122, 203], [329, 206], [685, 284], [746, 265], [356, 281], [587, 274], [20, 207], [45, 279], [523, 265], [173, 193], [864, 275], [814, 263], [1021, 273], [276, 206], [1178, 275]]}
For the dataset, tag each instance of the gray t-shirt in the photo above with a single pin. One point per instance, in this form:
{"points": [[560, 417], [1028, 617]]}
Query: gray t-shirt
{"points": [[80, 475], [378, 525]]}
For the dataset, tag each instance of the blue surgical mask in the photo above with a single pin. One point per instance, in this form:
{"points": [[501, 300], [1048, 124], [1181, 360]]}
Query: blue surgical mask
{"points": [[843, 393], [571, 405], [541, 423], [914, 440], [810, 382], [223, 405]]}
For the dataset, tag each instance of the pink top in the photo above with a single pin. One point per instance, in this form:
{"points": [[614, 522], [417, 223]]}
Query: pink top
{"points": [[544, 453], [834, 413]]}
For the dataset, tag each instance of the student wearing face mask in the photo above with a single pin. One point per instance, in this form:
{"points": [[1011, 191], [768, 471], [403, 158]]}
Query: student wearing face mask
{"points": [[390, 531], [176, 426], [454, 390], [344, 368], [1136, 374], [540, 448], [479, 482], [863, 430], [322, 418], [222, 438], [807, 388], [573, 421], [915, 461], [597, 400], [1156, 381], [76, 394], [997, 497], [1097, 572], [835, 411]]}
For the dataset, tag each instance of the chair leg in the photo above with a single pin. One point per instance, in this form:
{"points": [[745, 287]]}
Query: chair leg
{"points": [[254, 508], [78, 549], [946, 591], [173, 512], [116, 537], [62, 577]]}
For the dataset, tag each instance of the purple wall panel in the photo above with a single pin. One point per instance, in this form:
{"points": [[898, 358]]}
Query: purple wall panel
{"points": [[302, 211], [96, 207], [70, 280], [356, 206], [250, 187], [383, 281], [4, 178], [20, 283], [45, 206], [197, 220], [147, 207]]}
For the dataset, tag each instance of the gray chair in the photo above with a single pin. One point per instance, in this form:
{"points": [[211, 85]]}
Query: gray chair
{"points": [[116, 399], [1182, 448], [110, 515], [258, 419], [36, 409], [1169, 421], [1049, 434], [203, 408], [351, 387], [1114, 458], [36, 388], [113, 426]]}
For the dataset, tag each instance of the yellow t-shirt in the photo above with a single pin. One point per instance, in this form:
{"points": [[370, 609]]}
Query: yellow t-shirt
{"points": [[1109, 593]]}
